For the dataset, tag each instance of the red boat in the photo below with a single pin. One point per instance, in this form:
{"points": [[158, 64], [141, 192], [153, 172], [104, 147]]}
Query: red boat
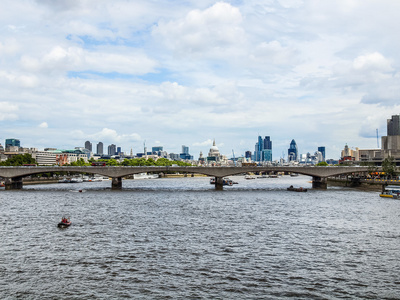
{"points": [[65, 222]]}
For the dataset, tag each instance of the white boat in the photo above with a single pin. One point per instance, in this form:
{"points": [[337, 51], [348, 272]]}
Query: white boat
{"points": [[249, 177], [98, 178], [145, 176], [76, 180], [391, 191]]}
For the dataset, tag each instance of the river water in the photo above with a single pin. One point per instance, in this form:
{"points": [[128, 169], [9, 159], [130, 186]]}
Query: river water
{"points": [[181, 239]]}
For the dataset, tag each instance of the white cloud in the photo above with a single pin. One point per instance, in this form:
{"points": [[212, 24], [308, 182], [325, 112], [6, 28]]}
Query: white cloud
{"points": [[208, 142], [62, 59], [214, 29], [372, 62], [8, 111], [43, 125]]}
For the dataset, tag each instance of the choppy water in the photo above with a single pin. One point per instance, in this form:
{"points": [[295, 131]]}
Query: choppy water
{"points": [[180, 239]]}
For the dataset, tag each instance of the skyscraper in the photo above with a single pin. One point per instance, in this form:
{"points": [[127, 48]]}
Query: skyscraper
{"points": [[393, 125], [293, 151], [322, 150], [88, 145], [263, 149], [112, 149], [185, 153], [100, 148]]}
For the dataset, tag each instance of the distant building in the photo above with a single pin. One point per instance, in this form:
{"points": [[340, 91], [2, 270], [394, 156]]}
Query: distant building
{"points": [[174, 156], [214, 156], [12, 143], [393, 126], [100, 148], [88, 145], [247, 154], [112, 149], [293, 151], [157, 149], [201, 158], [322, 150], [391, 142], [1, 148], [119, 151], [263, 149], [58, 157], [185, 153]]}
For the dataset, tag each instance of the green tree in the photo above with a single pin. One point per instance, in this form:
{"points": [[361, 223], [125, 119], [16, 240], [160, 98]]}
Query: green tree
{"points": [[19, 160], [322, 164], [389, 166]]}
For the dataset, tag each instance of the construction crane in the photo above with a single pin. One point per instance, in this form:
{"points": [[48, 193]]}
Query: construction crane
{"points": [[377, 138], [234, 160]]}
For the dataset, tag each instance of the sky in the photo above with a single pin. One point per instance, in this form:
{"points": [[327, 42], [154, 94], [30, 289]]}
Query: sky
{"points": [[185, 72]]}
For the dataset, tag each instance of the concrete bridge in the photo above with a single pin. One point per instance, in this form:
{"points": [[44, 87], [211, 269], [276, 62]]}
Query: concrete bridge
{"points": [[13, 175]]}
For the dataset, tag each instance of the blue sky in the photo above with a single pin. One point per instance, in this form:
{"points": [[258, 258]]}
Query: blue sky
{"points": [[174, 73]]}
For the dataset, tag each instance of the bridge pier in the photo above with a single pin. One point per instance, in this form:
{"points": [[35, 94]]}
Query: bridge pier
{"points": [[219, 183], [14, 183], [319, 183], [116, 183]]}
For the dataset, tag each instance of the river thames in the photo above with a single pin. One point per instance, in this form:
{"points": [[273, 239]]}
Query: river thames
{"points": [[178, 238]]}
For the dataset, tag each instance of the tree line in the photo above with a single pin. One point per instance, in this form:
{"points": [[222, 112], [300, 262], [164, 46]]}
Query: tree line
{"points": [[26, 159]]}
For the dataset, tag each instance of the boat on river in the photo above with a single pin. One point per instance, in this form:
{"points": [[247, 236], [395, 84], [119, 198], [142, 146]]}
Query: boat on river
{"points": [[391, 191], [65, 222], [293, 189], [225, 181], [145, 176]]}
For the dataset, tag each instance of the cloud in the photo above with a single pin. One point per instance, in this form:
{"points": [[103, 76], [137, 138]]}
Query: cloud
{"points": [[208, 142], [43, 125], [8, 111], [215, 28], [78, 59], [111, 136], [372, 62]]}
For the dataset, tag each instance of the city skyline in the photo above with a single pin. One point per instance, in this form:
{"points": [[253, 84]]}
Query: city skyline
{"points": [[173, 74]]}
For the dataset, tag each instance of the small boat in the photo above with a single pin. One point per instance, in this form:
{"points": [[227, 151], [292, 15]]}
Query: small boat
{"points": [[225, 181], [294, 174], [65, 222], [64, 180], [249, 177], [391, 191], [145, 176], [273, 176], [293, 189]]}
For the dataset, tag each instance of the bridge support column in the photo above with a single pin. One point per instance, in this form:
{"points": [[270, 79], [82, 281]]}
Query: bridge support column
{"points": [[13, 183], [116, 183], [219, 183], [319, 183]]}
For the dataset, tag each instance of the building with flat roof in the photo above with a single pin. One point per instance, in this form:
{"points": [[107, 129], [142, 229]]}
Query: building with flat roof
{"points": [[12, 143]]}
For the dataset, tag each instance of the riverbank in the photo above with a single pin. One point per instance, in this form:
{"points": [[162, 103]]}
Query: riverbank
{"points": [[347, 183], [29, 181]]}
